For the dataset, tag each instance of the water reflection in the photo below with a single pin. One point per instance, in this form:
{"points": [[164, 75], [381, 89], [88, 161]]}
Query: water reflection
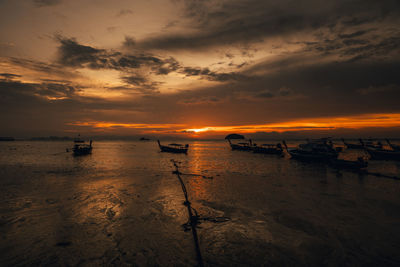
{"points": [[122, 205]]}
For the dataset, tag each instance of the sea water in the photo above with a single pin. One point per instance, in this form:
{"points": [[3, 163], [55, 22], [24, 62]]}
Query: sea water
{"points": [[122, 205]]}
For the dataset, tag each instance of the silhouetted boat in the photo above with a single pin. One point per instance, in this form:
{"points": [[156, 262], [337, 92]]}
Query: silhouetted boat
{"points": [[81, 147], [383, 154], [315, 150], [359, 164], [173, 148], [393, 146], [268, 149], [144, 139], [244, 146], [353, 146], [369, 143]]}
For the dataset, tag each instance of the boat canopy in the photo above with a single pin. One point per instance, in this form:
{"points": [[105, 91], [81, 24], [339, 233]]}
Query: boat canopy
{"points": [[234, 136]]}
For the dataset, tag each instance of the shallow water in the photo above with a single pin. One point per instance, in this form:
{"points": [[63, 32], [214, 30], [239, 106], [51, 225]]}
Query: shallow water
{"points": [[123, 206]]}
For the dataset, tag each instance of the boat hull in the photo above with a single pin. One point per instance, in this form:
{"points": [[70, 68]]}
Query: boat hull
{"points": [[312, 156], [173, 150], [354, 146], [82, 151], [177, 148], [263, 150], [241, 147], [384, 154]]}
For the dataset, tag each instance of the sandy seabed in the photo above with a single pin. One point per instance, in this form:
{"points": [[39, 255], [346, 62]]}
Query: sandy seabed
{"points": [[123, 206]]}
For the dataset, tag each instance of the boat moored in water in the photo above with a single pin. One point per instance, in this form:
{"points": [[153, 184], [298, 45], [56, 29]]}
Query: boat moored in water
{"points": [[383, 154], [313, 150], [370, 143], [81, 147], [173, 148], [244, 146], [275, 149], [393, 146], [352, 146]]}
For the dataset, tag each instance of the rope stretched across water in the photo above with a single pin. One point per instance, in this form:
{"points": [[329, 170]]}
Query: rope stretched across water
{"points": [[193, 217]]}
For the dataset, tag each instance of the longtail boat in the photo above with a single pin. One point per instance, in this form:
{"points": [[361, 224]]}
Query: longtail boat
{"points": [[275, 149], [369, 143], [393, 146], [314, 150], [81, 147], [173, 148], [352, 146], [244, 146], [383, 154]]}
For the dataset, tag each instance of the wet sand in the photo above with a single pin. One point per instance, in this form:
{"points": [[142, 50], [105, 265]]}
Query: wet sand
{"points": [[123, 206]]}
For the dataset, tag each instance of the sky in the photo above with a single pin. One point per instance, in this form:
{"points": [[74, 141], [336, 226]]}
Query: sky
{"points": [[200, 68]]}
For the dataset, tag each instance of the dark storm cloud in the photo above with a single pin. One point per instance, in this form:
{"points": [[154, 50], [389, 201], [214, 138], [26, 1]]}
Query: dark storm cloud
{"points": [[41, 3], [299, 91], [12, 88], [73, 54], [37, 66], [62, 97], [356, 45], [314, 58], [305, 87], [353, 34], [45, 108], [140, 84], [336, 77], [211, 75], [324, 94], [135, 80], [8, 76], [56, 90], [230, 22]]}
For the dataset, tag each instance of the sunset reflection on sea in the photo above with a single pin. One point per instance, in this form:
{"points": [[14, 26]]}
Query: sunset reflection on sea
{"points": [[123, 205]]}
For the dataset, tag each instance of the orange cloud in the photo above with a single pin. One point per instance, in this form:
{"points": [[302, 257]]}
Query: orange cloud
{"points": [[97, 124], [350, 122], [309, 124]]}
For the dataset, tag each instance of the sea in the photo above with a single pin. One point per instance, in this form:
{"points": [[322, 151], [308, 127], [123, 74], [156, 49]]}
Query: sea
{"points": [[123, 205]]}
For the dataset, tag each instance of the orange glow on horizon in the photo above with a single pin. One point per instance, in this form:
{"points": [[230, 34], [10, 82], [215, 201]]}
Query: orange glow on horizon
{"points": [[328, 123], [97, 124]]}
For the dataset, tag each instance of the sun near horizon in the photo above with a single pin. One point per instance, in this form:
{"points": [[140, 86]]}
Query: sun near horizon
{"points": [[176, 68]]}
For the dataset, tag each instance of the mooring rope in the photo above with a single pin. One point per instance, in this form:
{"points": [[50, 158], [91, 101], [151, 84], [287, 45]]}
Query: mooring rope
{"points": [[193, 219], [193, 216]]}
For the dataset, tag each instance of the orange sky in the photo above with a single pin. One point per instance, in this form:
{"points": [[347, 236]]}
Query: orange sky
{"points": [[198, 68], [311, 124]]}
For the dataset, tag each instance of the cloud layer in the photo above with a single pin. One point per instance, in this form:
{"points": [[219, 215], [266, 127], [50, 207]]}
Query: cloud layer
{"points": [[218, 63]]}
